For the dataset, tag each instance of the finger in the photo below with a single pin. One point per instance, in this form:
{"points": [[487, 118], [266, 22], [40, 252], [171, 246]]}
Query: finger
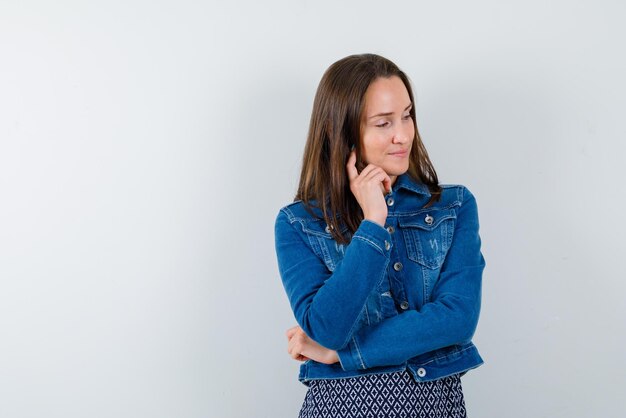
{"points": [[293, 331], [381, 176], [375, 173], [353, 173], [387, 184], [290, 332], [297, 338], [295, 348], [367, 170], [291, 348]]}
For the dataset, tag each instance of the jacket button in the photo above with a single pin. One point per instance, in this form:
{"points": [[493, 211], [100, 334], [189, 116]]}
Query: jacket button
{"points": [[391, 229], [421, 372], [387, 245], [429, 219], [390, 201], [404, 305], [397, 266], [327, 229]]}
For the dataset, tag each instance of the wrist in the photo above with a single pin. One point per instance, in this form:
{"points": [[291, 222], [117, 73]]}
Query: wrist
{"points": [[380, 220]]}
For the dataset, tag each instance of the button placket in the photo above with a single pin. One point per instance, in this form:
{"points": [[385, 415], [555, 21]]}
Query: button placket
{"points": [[395, 275]]}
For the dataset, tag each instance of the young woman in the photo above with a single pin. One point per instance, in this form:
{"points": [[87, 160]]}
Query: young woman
{"points": [[381, 264]]}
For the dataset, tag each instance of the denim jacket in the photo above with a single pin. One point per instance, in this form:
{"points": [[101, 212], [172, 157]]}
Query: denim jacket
{"points": [[406, 296]]}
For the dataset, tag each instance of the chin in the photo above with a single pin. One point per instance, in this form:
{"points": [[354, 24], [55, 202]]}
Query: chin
{"points": [[397, 171]]}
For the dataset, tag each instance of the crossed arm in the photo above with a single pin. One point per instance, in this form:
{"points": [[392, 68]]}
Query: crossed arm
{"points": [[450, 318]]}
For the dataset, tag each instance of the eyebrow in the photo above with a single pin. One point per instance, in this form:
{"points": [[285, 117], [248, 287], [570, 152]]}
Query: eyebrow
{"points": [[390, 113]]}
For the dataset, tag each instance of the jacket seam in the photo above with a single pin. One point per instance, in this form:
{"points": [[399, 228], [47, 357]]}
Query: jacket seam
{"points": [[445, 355], [369, 241], [359, 354], [451, 205]]}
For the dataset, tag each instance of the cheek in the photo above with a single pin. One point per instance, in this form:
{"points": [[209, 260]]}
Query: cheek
{"points": [[374, 142], [371, 149], [410, 131]]}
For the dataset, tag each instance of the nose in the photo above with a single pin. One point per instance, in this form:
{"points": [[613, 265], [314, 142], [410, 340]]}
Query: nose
{"points": [[403, 134]]}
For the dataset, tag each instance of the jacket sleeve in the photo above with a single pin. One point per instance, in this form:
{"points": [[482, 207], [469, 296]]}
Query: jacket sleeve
{"points": [[451, 316], [327, 305]]}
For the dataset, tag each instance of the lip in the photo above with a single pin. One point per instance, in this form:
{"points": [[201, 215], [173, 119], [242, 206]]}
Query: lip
{"points": [[401, 153]]}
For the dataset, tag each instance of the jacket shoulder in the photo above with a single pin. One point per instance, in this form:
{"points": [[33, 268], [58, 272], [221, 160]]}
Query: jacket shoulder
{"points": [[298, 211], [310, 219], [454, 194]]}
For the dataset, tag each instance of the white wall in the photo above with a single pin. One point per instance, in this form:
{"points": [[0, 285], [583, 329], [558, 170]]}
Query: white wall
{"points": [[146, 147]]}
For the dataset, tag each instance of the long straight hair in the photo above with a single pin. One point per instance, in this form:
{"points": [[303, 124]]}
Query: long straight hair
{"points": [[335, 128]]}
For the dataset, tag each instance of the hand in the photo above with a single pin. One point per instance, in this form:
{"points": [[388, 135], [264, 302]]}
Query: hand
{"points": [[369, 188], [301, 348]]}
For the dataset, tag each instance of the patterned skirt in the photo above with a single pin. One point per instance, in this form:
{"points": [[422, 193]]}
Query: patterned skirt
{"points": [[387, 395]]}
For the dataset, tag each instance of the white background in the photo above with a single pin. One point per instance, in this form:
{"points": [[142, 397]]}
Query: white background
{"points": [[146, 147]]}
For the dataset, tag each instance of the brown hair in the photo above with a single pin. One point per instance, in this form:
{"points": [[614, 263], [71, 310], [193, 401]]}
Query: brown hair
{"points": [[335, 127]]}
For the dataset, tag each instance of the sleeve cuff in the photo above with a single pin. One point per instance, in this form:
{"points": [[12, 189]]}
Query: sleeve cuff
{"points": [[374, 235], [350, 357]]}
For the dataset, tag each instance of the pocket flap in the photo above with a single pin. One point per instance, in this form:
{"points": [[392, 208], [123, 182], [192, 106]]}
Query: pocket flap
{"points": [[427, 220], [319, 228]]}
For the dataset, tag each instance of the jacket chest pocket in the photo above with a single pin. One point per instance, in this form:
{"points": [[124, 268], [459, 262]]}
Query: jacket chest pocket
{"points": [[428, 236]]}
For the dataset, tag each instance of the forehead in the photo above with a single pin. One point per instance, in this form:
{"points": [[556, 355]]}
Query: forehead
{"points": [[386, 95]]}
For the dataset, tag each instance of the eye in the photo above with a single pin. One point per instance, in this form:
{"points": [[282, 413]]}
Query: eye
{"points": [[406, 117], [382, 124]]}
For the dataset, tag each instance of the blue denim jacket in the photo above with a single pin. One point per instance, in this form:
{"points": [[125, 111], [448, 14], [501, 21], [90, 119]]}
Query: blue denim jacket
{"points": [[406, 296]]}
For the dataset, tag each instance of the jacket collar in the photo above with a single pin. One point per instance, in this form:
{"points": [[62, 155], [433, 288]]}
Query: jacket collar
{"points": [[405, 181]]}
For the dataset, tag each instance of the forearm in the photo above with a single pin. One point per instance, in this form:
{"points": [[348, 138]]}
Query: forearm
{"points": [[450, 319], [330, 316], [327, 305]]}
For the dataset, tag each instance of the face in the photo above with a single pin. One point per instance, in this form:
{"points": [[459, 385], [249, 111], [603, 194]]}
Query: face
{"points": [[387, 128]]}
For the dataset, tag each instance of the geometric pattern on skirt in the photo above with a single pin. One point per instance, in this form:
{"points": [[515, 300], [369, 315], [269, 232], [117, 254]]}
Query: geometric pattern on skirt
{"points": [[385, 395]]}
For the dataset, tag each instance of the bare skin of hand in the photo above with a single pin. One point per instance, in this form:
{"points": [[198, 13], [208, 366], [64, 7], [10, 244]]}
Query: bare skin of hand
{"points": [[369, 188], [302, 348]]}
